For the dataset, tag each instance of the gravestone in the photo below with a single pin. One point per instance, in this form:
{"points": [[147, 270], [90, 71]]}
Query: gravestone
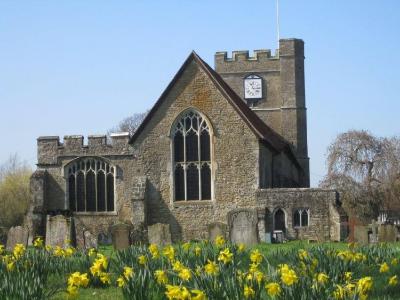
{"points": [[215, 229], [120, 236], [17, 235], [387, 233], [58, 231], [90, 240], [373, 234], [243, 226], [159, 234], [361, 234]]}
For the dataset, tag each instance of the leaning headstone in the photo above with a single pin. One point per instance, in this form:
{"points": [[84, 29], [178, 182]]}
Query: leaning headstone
{"points": [[17, 235], [215, 229], [243, 226], [387, 233], [120, 236], [159, 234], [90, 240], [361, 234], [58, 231]]}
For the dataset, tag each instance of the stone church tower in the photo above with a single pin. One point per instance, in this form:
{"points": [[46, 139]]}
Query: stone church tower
{"points": [[281, 104]]}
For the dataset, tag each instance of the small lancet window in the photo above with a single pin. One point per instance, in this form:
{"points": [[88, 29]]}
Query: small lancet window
{"points": [[191, 157], [90, 185]]}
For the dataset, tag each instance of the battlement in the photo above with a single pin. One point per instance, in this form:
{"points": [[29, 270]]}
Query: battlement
{"points": [[50, 148], [261, 60], [243, 55]]}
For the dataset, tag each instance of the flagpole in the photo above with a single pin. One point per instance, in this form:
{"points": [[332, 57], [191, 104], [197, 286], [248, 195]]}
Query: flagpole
{"points": [[277, 24]]}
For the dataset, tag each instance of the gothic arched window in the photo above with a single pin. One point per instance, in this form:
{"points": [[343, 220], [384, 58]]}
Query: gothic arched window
{"points": [[90, 185], [191, 157], [301, 217]]}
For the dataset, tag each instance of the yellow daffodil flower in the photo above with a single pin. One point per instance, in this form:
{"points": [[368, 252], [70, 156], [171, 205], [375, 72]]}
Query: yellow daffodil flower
{"points": [[273, 289]]}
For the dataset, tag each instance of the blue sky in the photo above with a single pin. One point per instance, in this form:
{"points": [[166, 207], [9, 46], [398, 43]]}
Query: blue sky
{"points": [[79, 67]]}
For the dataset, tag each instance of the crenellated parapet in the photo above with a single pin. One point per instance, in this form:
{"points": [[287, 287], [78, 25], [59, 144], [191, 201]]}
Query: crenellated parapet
{"points": [[50, 148]]}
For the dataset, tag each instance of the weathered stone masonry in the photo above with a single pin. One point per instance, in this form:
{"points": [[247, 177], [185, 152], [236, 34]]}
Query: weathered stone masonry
{"points": [[259, 158]]}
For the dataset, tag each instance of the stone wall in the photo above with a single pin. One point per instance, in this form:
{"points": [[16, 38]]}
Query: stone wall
{"points": [[54, 156], [283, 104], [320, 202], [235, 179]]}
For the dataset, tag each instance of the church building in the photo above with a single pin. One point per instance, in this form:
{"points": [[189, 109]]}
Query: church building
{"points": [[216, 142]]}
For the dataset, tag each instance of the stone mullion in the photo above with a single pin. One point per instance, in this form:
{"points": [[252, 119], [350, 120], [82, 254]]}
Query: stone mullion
{"points": [[76, 191], [199, 155], [184, 161], [105, 188], [95, 184], [84, 185]]}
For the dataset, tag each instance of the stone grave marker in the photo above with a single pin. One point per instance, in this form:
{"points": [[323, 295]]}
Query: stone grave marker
{"points": [[90, 240], [243, 226], [58, 231], [17, 235], [361, 234], [373, 235], [159, 234], [120, 236], [215, 229], [387, 233]]}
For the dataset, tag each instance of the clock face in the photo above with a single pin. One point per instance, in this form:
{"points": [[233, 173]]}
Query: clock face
{"points": [[252, 87]]}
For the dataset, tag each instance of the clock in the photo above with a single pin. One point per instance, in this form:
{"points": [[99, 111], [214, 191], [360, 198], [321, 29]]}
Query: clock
{"points": [[253, 87]]}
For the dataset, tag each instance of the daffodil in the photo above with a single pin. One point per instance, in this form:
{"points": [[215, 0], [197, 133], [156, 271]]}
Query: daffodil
{"points": [[248, 292], [273, 289], [303, 254], [72, 291], [211, 268], [142, 260], [339, 293], [197, 251], [219, 240], [92, 252], [241, 247], [288, 275], [128, 272], [186, 246], [18, 251], [394, 261], [161, 276], [198, 295], [225, 256], [364, 284], [38, 242], [155, 253], [121, 281], [1, 249], [384, 268], [322, 278], [185, 274], [256, 257], [393, 280], [348, 276], [169, 252], [177, 266], [105, 278]]}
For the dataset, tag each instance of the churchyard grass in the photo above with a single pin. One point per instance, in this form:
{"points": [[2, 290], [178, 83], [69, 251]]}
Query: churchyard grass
{"points": [[216, 270]]}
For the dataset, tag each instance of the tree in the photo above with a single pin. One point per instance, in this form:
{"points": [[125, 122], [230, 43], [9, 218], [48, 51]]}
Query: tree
{"points": [[129, 124], [14, 191], [365, 169]]}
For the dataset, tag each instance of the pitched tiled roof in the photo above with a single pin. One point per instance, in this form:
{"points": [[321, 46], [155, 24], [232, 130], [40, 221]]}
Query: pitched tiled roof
{"points": [[260, 129]]}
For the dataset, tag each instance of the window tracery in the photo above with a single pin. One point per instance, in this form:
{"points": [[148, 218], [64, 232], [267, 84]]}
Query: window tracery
{"points": [[90, 185], [191, 158]]}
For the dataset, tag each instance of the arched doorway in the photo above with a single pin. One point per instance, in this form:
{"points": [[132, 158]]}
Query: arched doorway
{"points": [[279, 220]]}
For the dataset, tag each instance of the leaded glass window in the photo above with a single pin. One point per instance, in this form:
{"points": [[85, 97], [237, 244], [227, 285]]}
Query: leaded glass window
{"points": [[192, 157], [90, 186], [301, 217]]}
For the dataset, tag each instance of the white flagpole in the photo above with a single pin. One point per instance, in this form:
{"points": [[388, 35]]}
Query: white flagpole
{"points": [[277, 23]]}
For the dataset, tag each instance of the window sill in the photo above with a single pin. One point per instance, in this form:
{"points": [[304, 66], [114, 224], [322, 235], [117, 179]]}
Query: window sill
{"points": [[98, 213], [300, 227], [193, 203]]}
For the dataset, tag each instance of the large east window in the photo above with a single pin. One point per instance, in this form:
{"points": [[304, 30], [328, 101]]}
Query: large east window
{"points": [[191, 157], [90, 185]]}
